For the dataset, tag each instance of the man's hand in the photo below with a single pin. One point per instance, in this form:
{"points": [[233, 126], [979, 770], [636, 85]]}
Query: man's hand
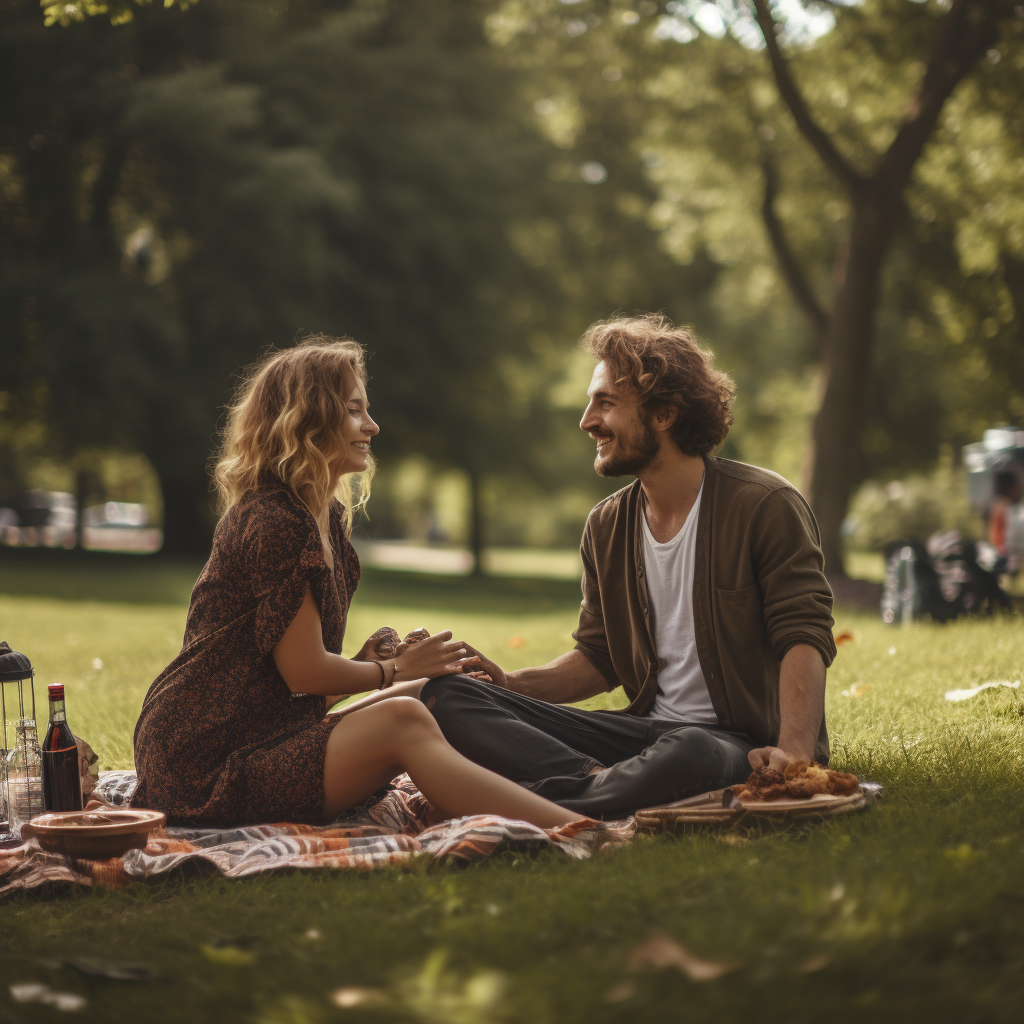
{"points": [[774, 757], [484, 669]]}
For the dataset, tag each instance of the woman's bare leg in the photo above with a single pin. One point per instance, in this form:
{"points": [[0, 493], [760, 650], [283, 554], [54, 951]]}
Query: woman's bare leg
{"points": [[408, 689], [368, 748]]}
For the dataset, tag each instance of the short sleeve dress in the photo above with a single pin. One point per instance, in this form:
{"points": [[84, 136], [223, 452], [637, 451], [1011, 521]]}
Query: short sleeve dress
{"points": [[221, 740]]}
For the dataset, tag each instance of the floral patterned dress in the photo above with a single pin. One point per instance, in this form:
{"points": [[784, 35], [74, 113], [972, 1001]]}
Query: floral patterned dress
{"points": [[221, 740]]}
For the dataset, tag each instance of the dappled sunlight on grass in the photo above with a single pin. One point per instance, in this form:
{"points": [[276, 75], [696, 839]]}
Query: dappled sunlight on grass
{"points": [[911, 909]]}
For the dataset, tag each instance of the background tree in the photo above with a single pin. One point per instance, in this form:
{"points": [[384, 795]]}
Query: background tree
{"points": [[820, 188], [195, 186]]}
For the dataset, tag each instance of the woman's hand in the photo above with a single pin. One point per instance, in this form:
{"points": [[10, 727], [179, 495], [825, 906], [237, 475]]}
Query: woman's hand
{"points": [[368, 651], [438, 655]]}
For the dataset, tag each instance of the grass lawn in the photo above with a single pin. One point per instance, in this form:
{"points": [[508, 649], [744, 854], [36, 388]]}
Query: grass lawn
{"points": [[910, 911]]}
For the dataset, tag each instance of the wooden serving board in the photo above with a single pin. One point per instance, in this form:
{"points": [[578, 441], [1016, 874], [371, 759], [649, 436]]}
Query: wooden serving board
{"points": [[708, 810], [821, 805]]}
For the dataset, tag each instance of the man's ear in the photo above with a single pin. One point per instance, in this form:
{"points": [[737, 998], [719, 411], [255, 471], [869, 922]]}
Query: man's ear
{"points": [[664, 417]]}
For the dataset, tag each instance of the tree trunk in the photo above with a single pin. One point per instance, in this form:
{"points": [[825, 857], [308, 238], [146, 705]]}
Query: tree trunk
{"points": [[189, 518], [476, 523], [846, 370], [89, 488], [964, 34]]}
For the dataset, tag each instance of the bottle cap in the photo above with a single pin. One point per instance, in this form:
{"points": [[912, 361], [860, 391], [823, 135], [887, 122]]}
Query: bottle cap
{"points": [[56, 691]]}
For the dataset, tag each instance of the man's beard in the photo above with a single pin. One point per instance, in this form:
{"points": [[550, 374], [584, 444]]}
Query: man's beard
{"points": [[638, 453]]}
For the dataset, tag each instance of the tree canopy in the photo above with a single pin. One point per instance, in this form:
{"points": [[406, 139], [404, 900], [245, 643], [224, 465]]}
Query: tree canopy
{"points": [[830, 192], [817, 161], [194, 186]]}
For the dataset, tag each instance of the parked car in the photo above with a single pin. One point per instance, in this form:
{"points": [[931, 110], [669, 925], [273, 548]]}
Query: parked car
{"points": [[116, 514], [37, 517], [120, 526]]}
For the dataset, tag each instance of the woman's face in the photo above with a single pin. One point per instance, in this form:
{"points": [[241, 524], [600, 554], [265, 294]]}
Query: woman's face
{"points": [[356, 433]]}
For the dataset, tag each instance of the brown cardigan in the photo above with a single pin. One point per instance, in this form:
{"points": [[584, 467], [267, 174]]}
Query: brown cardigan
{"points": [[758, 589]]}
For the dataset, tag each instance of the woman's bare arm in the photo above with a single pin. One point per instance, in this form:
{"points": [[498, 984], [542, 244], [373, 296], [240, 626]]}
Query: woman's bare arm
{"points": [[307, 667]]}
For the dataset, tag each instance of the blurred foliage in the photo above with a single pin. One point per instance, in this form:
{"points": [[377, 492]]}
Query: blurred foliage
{"points": [[912, 508], [692, 84], [119, 11], [463, 185], [195, 186]]}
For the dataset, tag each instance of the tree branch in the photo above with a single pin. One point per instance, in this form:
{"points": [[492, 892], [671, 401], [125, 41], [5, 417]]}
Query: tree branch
{"points": [[967, 31], [792, 272], [794, 100]]}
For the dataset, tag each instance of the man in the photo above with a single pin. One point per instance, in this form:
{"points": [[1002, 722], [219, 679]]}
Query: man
{"points": [[704, 597]]}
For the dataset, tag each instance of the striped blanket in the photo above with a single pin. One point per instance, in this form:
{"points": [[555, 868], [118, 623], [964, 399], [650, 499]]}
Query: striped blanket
{"points": [[394, 830]]}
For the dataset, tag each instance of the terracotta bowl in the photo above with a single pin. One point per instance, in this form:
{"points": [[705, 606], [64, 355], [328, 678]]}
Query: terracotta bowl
{"points": [[93, 835]]}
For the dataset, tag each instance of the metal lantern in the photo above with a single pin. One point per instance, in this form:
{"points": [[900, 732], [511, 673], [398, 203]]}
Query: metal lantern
{"points": [[21, 796]]}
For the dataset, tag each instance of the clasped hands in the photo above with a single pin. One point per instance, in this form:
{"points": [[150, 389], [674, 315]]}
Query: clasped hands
{"points": [[429, 656]]}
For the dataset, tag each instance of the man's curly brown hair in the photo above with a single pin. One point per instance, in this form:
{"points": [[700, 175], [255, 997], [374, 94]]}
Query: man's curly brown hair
{"points": [[664, 366]]}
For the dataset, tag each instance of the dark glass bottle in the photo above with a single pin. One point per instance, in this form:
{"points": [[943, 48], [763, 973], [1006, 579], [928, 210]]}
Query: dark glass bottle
{"points": [[62, 783]]}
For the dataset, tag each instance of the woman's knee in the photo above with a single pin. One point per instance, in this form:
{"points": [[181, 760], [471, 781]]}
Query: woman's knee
{"points": [[407, 713]]}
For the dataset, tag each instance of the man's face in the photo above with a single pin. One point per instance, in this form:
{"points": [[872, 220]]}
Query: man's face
{"points": [[626, 444]]}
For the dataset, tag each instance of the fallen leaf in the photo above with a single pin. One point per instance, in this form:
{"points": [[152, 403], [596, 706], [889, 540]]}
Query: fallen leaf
{"points": [[36, 992], [730, 838], [229, 956], [846, 637], [814, 963], [620, 993], [662, 951], [113, 971], [352, 995], [855, 691], [964, 854]]}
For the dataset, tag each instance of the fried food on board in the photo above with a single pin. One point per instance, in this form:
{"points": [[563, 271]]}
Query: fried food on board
{"points": [[800, 781], [804, 779], [842, 783]]}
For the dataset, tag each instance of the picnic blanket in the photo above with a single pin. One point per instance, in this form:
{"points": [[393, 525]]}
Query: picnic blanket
{"points": [[395, 829]]}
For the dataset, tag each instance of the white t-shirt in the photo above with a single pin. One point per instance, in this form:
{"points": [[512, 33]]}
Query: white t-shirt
{"points": [[684, 694]]}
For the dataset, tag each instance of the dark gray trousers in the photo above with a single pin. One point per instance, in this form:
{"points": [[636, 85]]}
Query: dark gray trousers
{"points": [[552, 749]]}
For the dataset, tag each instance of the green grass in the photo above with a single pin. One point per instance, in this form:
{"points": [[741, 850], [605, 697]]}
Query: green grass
{"points": [[910, 911]]}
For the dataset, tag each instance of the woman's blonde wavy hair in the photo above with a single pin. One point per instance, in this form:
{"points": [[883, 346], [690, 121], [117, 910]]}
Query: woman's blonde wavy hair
{"points": [[287, 420]]}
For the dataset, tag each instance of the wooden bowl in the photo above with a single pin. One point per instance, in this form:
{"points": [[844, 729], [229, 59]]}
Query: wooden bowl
{"points": [[93, 835]]}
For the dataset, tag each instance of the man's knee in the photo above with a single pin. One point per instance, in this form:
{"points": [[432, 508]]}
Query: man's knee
{"points": [[446, 693], [691, 749]]}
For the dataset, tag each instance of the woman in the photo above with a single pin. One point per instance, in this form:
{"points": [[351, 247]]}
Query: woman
{"points": [[235, 729]]}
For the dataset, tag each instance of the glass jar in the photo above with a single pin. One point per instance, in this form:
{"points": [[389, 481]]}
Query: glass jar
{"points": [[6, 835], [25, 775]]}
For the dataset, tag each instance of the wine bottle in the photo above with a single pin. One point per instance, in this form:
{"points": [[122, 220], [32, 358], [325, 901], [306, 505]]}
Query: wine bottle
{"points": [[62, 782]]}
